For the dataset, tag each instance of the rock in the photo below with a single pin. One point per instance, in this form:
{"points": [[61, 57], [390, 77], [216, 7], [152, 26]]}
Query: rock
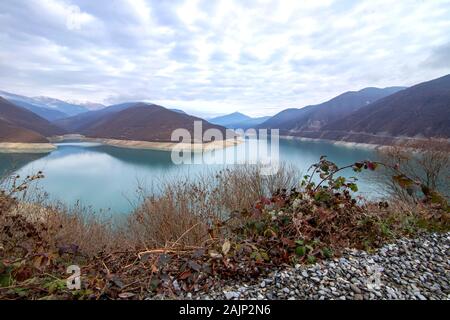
{"points": [[355, 289], [176, 286], [358, 297], [408, 270], [231, 295], [421, 297]]}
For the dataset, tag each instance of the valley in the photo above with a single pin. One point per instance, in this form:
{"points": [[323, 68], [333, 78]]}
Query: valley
{"points": [[370, 116]]}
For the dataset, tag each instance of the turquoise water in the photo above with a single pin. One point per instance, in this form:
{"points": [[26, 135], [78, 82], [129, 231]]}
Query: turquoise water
{"points": [[106, 178]]}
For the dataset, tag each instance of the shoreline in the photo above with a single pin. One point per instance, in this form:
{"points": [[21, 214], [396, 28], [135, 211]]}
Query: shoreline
{"points": [[346, 144], [150, 145], [23, 147], [384, 141]]}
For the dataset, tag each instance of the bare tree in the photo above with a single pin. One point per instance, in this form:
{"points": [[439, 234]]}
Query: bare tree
{"points": [[425, 161]]}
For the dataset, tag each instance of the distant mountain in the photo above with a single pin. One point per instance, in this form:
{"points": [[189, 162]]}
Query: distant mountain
{"points": [[87, 104], [48, 108], [229, 119], [68, 108], [250, 123], [31, 105], [48, 114], [21, 125], [314, 117], [144, 122], [238, 120], [419, 111]]}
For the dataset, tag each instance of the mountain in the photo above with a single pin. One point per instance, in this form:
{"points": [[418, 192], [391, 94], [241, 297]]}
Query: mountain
{"points": [[314, 117], [48, 114], [178, 110], [283, 118], [82, 121], [33, 106], [229, 119], [87, 104], [68, 108], [250, 123], [238, 120], [419, 111], [21, 124], [48, 108], [144, 122]]}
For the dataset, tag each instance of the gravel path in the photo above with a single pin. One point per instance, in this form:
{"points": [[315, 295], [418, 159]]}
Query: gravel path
{"points": [[408, 269]]}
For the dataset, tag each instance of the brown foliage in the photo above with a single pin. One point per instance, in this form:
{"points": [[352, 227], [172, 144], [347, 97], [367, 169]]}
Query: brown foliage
{"points": [[426, 162]]}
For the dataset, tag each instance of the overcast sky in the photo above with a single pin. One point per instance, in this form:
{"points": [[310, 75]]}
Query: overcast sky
{"points": [[207, 56]]}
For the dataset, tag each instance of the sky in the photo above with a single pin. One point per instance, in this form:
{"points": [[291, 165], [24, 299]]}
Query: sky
{"points": [[215, 57]]}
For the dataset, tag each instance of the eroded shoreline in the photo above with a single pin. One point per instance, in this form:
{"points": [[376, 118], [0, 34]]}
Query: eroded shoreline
{"points": [[337, 143], [150, 145], [21, 147]]}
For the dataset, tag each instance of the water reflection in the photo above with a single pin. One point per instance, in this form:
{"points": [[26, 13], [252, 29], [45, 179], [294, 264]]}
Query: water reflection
{"points": [[14, 162]]}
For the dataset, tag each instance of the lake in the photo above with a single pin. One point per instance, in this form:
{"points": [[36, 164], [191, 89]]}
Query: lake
{"points": [[106, 178]]}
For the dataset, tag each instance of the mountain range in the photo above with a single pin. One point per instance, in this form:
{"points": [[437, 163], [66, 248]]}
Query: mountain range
{"points": [[48, 108], [370, 115], [127, 121], [420, 111], [314, 117]]}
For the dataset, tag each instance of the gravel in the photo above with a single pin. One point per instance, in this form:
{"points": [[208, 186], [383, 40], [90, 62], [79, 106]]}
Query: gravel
{"points": [[416, 269]]}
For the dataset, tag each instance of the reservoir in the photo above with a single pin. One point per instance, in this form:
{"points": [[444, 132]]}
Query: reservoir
{"points": [[107, 178]]}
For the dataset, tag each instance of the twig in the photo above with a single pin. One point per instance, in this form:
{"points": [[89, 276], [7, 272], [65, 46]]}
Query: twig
{"points": [[184, 233], [107, 270], [140, 254]]}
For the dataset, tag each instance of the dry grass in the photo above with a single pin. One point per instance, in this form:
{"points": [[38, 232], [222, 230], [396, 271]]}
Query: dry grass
{"points": [[183, 212], [180, 214]]}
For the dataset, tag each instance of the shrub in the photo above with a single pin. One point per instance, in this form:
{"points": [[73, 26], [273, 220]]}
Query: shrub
{"points": [[426, 163], [183, 212]]}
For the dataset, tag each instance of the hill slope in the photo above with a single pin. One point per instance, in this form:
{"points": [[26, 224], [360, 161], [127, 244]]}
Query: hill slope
{"points": [[83, 121], [23, 118], [144, 122], [419, 111], [313, 118], [11, 133]]}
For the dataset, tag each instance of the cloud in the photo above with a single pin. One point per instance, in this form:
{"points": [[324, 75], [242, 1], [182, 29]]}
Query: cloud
{"points": [[209, 56], [439, 57]]}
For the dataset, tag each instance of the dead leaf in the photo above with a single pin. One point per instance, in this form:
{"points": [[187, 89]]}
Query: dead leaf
{"points": [[226, 247], [215, 255], [126, 295]]}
